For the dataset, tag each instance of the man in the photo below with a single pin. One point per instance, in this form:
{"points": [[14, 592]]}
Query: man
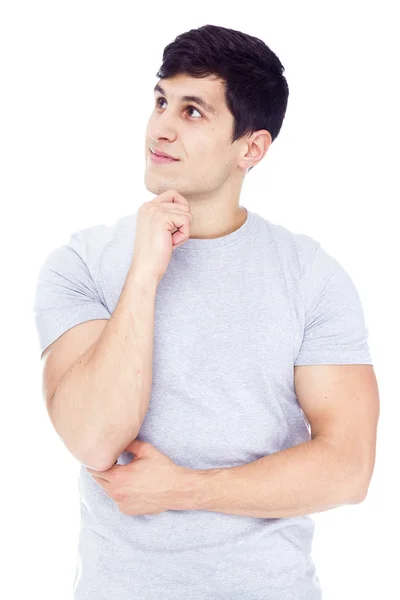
{"points": [[209, 369]]}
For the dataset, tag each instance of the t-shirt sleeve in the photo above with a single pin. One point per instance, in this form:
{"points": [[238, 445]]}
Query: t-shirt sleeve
{"points": [[335, 331], [65, 293]]}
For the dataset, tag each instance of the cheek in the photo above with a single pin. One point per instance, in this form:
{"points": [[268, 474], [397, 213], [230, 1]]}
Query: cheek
{"points": [[203, 150]]}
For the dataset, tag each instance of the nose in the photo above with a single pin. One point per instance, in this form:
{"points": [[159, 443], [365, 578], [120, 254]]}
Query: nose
{"points": [[162, 128]]}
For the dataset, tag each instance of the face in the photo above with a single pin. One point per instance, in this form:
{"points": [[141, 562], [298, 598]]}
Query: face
{"points": [[198, 135]]}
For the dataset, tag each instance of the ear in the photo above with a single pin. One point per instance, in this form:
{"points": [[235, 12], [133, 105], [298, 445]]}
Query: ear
{"points": [[255, 149]]}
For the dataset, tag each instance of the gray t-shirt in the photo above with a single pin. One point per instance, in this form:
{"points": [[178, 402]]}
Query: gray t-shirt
{"points": [[233, 316]]}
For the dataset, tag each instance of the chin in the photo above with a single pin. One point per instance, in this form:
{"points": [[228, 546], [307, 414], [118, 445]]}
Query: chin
{"points": [[156, 187], [158, 184]]}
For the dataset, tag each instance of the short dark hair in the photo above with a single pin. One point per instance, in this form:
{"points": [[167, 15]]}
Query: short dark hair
{"points": [[256, 91]]}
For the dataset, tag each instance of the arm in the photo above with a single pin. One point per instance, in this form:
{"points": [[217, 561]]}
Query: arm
{"points": [[100, 403], [335, 467], [311, 477]]}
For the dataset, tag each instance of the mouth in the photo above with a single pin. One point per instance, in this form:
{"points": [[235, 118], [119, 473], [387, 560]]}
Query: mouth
{"points": [[158, 159]]}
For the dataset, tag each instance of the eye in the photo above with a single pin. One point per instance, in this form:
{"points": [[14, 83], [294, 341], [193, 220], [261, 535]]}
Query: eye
{"points": [[194, 108], [161, 99]]}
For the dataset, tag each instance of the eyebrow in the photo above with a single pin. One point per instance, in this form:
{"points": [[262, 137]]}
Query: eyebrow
{"points": [[208, 107]]}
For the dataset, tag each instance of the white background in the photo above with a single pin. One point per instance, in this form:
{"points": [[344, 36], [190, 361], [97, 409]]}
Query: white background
{"points": [[77, 81]]}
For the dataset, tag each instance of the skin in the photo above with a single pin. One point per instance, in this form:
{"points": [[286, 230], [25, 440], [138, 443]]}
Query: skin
{"points": [[210, 175], [151, 483], [333, 468], [211, 169]]}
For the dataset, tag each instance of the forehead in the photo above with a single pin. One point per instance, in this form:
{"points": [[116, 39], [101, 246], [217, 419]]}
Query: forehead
{"points": [[209, 91]]}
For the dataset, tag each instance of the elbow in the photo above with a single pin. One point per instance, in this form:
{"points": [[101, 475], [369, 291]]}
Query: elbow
{"points": [[362, 492], [104, 460], [358, 498], [98, 465], [100, 461], [359, 491], [365, 474]]}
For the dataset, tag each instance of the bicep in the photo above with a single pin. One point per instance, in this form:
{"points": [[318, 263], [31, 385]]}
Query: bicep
{"points": [[341, 403]]}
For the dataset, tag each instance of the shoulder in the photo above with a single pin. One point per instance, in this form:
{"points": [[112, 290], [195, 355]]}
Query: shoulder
{"points": [[95, 239], [296, 249]]}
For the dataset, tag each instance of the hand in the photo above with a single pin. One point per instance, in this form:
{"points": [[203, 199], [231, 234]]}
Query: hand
{"points": [[162, 224], [151, 483]]}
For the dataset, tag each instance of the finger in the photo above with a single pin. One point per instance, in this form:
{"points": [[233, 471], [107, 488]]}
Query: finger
{"points": [[98, 474], [103, 483], [171, 195], [182, 224]]}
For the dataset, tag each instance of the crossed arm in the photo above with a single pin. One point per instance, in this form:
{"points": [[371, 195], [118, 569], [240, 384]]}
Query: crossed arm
{"points": [[341, 403]]}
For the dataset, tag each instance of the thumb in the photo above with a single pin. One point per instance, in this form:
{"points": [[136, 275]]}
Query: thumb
{"points": [[137, 447]]}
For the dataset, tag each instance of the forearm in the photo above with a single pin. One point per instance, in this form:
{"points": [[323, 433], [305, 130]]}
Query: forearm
{"points": [[304, 479], [100, 404]]}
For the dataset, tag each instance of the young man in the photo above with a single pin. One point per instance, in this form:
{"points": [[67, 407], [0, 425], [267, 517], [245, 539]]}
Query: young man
{"points": [[209, 369]]}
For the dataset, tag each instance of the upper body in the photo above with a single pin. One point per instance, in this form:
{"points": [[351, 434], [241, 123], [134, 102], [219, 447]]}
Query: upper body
{"points": [[234, 315], [241, 303]]}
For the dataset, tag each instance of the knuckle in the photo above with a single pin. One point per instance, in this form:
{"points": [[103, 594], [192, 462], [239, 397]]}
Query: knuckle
{"points": [[118, 496]]}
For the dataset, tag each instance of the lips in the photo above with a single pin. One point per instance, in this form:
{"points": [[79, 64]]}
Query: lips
{"points": [[159, 153]]}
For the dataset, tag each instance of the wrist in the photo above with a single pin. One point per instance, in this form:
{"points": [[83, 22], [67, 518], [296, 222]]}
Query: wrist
{"points": [[139, 276], [197, 488]]}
